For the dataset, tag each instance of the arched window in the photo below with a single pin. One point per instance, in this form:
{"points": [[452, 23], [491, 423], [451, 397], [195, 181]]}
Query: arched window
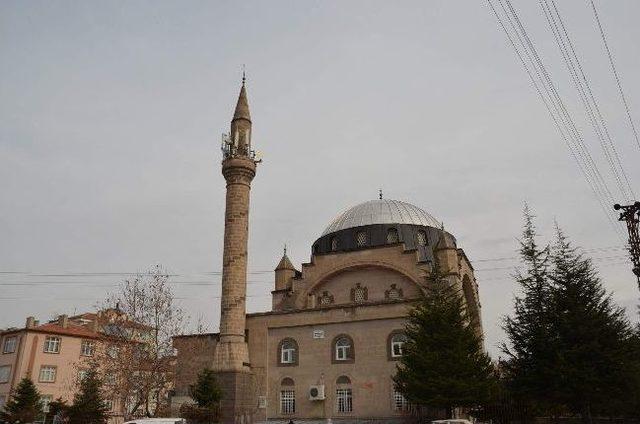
{"points": [[421, 238], [392, 236], [335, 244], [361, 238], [344, 395], [287, 396], [288, 352], [343, 350], [396, 342]]}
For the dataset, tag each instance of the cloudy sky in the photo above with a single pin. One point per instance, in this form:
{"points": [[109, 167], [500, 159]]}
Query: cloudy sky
{"points": [[111, 115]]}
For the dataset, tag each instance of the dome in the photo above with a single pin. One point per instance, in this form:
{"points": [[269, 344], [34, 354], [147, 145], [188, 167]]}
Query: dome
{"points": [[381, 211]]}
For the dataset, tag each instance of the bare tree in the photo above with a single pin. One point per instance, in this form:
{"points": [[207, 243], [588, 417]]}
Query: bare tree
{"points": [[137, 355]]}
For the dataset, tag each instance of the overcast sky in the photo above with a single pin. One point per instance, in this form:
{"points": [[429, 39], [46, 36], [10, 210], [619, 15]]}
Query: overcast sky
{"points": [[111, 115]]}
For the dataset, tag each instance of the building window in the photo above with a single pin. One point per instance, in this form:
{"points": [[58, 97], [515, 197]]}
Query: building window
{"points": [[335, 244], [343, 349], [47, 374], [359, 294], [394, 293], [52, 344], [326, 299], [45, 400], [288, 401], [82, 374], [9, 345], [397, 340], [344, 400], [288, 352], [421, 238], [108, 405], [392, 236], [86, 348], [361, 238], [5, 373], [400, 403]]}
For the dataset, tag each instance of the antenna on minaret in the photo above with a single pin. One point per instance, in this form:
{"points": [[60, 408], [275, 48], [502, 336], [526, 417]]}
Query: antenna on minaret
{"points": [[380, 194]]}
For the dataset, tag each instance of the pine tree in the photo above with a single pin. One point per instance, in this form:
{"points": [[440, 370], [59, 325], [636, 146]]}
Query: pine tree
{"points": [[595, 341], [88, 404], [530, 352], [24, 405], [206, 394], [443, 364]]}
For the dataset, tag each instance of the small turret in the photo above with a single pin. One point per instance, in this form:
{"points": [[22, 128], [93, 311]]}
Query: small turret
{"points": [[239, 139], [447, 252], [285, 271]]}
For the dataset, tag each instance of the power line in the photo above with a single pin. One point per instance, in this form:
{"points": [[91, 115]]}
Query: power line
{"points": [[555, 107], [587, 98], [615, 73]]}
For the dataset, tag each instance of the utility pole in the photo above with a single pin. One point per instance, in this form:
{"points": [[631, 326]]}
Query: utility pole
{"points": [[631, 215]]}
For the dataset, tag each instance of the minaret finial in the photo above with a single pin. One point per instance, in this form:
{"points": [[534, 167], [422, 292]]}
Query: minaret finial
{"points": [[380, 194], [244, 76], [285, 249]]}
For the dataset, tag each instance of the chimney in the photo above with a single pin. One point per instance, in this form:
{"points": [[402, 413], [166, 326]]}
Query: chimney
{"points": [[63, 321], [31, 322]]}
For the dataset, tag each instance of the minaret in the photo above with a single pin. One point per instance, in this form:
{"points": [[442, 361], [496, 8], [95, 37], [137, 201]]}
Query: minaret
{"points": [[231, 359]]}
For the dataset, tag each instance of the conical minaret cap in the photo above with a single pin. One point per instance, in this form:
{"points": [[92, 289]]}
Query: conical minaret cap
{"points": [[242, 107], [285, 263]]}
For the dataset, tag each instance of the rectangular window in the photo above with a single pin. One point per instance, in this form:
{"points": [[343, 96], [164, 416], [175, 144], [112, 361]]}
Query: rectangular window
{"points": [[5, 373], [86, 348], [46, 400], [108, 404], [9, 345], [288, 401], [82, 374], [287, 355], [344, 400], [52, 344], [47, 374], [400, 404]]}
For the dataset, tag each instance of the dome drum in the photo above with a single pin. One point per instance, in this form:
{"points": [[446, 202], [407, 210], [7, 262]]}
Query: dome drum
{"points": [[421, 238]]}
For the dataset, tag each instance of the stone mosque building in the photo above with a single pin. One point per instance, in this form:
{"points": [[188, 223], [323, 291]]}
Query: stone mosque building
{"points": [[329, 346]]}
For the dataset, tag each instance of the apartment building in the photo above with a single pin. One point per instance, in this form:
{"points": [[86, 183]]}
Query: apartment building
{"points": [[54, 355]]}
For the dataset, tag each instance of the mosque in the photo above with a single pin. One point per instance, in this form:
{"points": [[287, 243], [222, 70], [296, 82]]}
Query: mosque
{"points": [[329, 346]]}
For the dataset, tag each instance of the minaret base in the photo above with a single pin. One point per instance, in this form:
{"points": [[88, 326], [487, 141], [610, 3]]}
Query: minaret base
{"points": [[239, 401]]}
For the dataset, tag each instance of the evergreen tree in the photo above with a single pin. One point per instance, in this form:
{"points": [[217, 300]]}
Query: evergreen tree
{"points": [[88, 404], [530, 352], [206, 394], [595, 342], [24, 405], [443, 364]]}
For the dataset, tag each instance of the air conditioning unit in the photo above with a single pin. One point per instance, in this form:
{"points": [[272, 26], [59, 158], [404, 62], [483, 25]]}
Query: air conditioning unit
{"points": [[316, 392]]}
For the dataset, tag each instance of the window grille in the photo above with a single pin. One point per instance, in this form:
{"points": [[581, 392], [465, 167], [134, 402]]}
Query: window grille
{"points": [[393, 293], [343, 349], [344, 400], [361, 238], [9, 345], [421, 238], [400, 404], [288, 401], [359, 294], [86, 348], [47, 374], [52, 344], [392, 236]]}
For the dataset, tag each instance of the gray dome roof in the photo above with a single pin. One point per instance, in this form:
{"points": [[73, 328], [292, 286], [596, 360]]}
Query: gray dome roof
{"points": [[381, 211]]}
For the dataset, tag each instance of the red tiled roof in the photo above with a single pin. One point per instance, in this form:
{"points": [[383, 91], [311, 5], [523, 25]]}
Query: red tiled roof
{"points": [[71, 330]]}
